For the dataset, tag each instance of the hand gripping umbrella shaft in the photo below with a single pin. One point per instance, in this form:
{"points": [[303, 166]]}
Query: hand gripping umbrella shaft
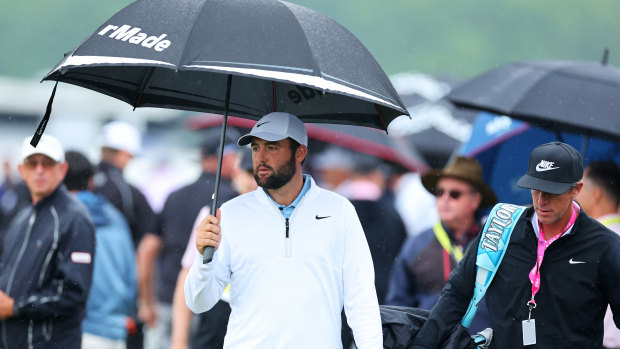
{"points": [[207, 254]]}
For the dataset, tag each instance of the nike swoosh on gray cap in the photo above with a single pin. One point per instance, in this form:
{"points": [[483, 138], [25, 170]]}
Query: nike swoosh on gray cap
{"points": [[277, 126]]}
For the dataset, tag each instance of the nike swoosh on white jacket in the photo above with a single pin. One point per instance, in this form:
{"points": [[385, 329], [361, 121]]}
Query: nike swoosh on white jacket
{"points": [[289, 292]]}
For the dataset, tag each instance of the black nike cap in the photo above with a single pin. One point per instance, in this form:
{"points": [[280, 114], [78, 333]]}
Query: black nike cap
{"points": [[554, 167]]}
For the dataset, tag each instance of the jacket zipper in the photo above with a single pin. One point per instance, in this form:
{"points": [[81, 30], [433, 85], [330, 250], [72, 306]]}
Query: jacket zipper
{"points": [[289, 244], [287, 238], [51, 251], [20, 255]]}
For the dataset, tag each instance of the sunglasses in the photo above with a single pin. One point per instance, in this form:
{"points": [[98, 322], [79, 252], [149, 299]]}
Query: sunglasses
{"points": [[44, 161], [454, 194]]}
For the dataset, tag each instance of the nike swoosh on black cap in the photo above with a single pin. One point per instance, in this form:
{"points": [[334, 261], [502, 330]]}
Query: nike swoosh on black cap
{"points": [[554, 167]]}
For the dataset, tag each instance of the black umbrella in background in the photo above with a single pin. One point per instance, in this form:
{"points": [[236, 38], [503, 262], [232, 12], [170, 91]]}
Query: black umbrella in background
{"points": [[438, 128], [576, 96], [246, 58]]}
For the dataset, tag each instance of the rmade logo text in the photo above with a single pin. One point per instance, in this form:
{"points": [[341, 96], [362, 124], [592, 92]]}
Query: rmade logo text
{"points": [[136, 37]]}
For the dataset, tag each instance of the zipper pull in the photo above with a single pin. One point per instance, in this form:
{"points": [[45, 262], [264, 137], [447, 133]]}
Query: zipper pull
{"points": [[288, 243]]}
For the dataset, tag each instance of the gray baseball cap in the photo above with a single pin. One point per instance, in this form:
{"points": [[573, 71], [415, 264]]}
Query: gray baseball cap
{"points": [[277, 126]]}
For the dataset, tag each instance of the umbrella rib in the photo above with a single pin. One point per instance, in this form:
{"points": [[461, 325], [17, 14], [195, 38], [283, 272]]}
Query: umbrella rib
{"points": [[145, 81], [81, 76], [307, 42], [204, 3], [198, 96], [380, 117]]}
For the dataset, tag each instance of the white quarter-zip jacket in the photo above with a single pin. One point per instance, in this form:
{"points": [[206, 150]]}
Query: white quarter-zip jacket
{"points": [[290, 278]]}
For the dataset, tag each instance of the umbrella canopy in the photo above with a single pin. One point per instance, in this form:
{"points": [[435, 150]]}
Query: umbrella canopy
{"points": [[503, 146], [579, 96], [281, 56], [394, 150], [248, 58]]}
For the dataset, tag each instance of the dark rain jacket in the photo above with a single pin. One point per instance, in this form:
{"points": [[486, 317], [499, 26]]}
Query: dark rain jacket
{"points": [[46, 267], [128, 199], [421, 270], [175, 226], [580, 274]]}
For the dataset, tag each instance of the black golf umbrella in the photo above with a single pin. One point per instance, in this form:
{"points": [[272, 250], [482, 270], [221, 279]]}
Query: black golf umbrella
{"points": [[582, 97], [246, 58]]}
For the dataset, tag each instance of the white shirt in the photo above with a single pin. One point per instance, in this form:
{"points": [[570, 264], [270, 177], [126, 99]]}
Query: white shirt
{"points": [[289, 292]]}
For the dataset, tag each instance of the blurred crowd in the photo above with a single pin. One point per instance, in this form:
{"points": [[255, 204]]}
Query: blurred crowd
{"points": [[417, 225]]}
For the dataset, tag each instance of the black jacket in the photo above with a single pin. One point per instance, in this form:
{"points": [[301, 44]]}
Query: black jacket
{"points": [[128, 199], [46, 266], [385, 233], [572, 299], [175, 226]]}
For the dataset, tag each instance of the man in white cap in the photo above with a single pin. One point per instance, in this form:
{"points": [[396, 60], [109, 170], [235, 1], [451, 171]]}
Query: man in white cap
{"points": [[46, 259], [557, 276], [121, 141], [293, 253]]}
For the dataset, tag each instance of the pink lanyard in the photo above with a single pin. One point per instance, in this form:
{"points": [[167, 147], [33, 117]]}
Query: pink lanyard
{"points": [[542, 247]]}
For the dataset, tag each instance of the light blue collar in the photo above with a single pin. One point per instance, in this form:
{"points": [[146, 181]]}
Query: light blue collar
{"points": [[287, 211]]}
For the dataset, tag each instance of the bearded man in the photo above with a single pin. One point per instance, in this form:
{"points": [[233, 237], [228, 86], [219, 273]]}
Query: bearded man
{"points": [[293, 253]]}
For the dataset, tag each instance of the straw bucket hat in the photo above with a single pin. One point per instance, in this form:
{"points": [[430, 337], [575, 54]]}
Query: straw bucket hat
{"points": [[466, 169]]}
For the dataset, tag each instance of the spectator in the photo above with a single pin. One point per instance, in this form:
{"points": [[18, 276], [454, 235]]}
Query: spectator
{"points": [[14, 195], [113, 292], [417, 207], [334, 166], [180, 211], [243, 172], [120, 143], [207, 330], [599, 198], [46, 261], [381, 222], [383, 227], [425, 261]]}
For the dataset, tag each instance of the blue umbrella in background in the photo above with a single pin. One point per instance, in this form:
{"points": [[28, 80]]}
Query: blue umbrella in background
{"points": [[503, 146]]}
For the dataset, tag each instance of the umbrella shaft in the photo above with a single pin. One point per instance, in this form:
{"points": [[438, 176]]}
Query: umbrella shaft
{"points": [[209, 250], [221, 149]]}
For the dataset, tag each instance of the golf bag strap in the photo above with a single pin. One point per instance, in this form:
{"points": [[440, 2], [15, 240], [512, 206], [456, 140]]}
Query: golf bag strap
{"points": [[491, 249]]}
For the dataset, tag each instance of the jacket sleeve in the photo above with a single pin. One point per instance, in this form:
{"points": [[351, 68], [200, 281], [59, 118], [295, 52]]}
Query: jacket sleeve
{"points": [[126, 260], [360, 297], [610, 277], [72, 271], [401, 287], [205, 283], [452, 303]]}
